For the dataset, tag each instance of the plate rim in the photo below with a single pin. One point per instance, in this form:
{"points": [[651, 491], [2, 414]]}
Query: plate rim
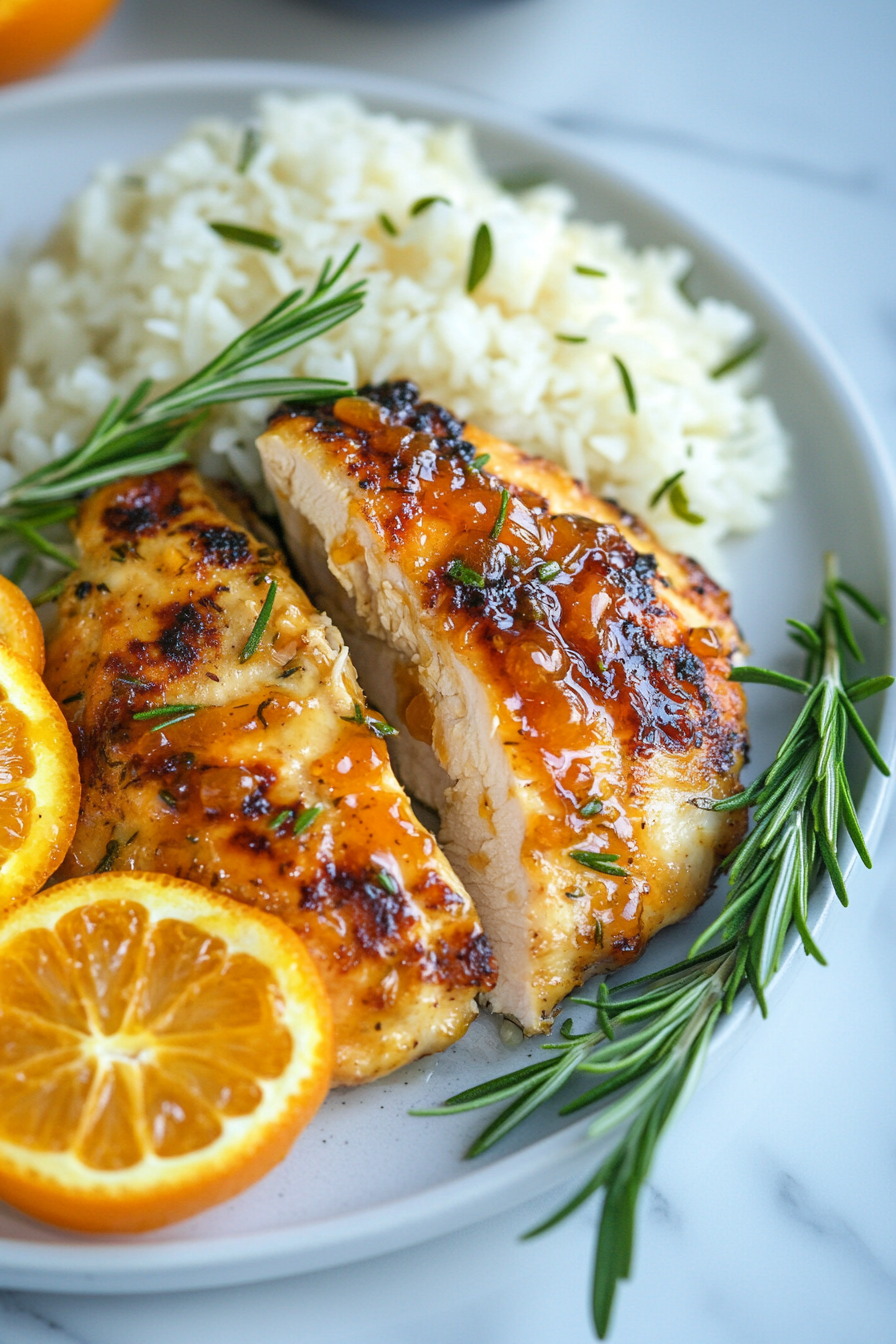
{"points": [[254, 1256]]}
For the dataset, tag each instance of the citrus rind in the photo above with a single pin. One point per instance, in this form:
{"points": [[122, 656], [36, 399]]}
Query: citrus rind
{"points": [[54, 1184], [53, 786]]}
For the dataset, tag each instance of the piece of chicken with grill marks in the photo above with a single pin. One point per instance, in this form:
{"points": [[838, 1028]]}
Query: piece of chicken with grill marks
{"points": [[561, 679], [272, 783]]}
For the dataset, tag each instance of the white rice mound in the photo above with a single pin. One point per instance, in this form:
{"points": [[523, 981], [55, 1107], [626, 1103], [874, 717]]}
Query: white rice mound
{"points": [[135, 284]]}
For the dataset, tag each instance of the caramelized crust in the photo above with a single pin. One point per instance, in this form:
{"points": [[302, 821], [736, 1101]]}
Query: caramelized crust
{"points": [[570, 674], [167, 594]]}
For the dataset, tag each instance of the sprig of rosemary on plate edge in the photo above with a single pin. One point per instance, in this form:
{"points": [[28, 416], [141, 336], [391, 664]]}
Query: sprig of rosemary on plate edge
{"points": [[136, 436], [652, 1034]]}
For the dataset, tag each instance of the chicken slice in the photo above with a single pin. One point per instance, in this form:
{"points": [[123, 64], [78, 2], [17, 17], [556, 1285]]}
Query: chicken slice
{"points": [[274, 783], [562, 678]]}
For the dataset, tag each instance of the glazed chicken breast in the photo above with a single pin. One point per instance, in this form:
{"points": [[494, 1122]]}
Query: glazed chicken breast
{"points": [[560, 677], [257, 771]]}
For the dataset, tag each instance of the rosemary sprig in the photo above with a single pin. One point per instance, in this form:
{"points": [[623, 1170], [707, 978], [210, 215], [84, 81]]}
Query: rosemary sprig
{"points": [[651, 1035], [135, 436]]}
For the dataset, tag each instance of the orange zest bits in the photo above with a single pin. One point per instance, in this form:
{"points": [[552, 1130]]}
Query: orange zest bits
{"points": [[39, 784], [20, 628], [35, 32], [160, 1049]]}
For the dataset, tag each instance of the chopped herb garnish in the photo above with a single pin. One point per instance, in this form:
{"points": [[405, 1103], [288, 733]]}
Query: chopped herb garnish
{"points": [[168, 798], [248, 149], [480, 257], [575, 895], [387, 882], [568, 339], [548, 571], [589, 270], [480, 460], [630, 394], [591, 808], [50, 594], [389, 227], [462, 573], [598, 863], [377, 726], [135, 681], [251, 645], [599, 938], [380, 727], [280, 818], [109, 857], [740, 356], [307, 818], [288, 672], [70, 699], [261, 709], [681, 507], [678, 500], [666, 485], [502, 515], [524, 179], [161, 710], [425, 202], [238, 233]]}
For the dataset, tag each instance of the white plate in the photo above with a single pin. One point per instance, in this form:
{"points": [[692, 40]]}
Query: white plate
{"points": [[366, 1178]]}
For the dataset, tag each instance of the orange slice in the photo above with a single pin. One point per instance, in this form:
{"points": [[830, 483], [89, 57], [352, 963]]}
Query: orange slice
{"points": [[160, 1049], [35, 32], [39, 784], [20, 628]]}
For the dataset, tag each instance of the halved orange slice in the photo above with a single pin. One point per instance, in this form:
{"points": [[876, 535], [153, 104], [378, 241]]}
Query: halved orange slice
{"points": [[39, 784], [160, 1049], [20, 627]]}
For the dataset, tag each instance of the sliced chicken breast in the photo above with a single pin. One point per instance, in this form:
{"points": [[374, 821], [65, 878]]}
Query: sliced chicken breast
{"points": [[561, 678], [260, 774]]}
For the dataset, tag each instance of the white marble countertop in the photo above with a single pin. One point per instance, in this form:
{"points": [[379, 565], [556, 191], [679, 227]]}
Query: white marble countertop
{"points": [[771, 1212]]}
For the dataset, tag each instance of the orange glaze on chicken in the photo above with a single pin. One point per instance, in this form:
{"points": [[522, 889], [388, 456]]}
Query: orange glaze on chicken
{"points": [[278, 789], [570, 674]]}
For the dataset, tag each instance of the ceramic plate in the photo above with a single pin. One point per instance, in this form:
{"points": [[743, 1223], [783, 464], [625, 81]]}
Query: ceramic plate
{"points": [[366, 1178]]}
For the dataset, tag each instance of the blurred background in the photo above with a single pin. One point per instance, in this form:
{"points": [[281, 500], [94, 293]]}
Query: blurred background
{"points": [[772, 124]]}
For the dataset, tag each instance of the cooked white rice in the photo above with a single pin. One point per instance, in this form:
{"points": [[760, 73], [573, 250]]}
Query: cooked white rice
{"points": [[136, 284]]}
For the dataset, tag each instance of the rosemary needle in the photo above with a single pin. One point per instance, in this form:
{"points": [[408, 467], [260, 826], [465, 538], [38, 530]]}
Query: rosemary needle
{"points": [[238, 233], [307, 818], [388, 226], [502, 515], [425, 202], [480, 257], [630, 395], [739, 356], [248, 149], [251, 645]]}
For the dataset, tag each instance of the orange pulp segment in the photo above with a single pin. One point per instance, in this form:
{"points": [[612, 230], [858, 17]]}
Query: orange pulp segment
{"points": [[160, 1049]]}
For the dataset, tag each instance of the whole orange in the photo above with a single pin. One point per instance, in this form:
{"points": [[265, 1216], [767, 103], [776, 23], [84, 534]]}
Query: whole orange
{"points": [[33, 33]]}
